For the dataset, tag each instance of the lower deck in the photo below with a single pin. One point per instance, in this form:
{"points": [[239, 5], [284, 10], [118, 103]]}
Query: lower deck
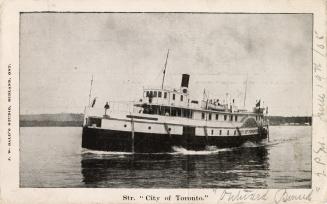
{"points": [[127, 141], [151, 126]]}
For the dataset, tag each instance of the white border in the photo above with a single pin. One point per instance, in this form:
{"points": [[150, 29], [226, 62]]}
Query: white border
{"points": [[9, 177]]}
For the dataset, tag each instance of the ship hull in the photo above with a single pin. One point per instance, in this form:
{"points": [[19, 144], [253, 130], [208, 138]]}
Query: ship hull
{"points": [[123, 141]]}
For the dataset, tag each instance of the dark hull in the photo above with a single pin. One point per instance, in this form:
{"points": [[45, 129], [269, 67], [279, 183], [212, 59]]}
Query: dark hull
{"points": [[121, 141]]}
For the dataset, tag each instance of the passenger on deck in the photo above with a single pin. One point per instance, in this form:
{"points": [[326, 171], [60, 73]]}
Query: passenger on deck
{"points": [[141, 110], [106, 107]]}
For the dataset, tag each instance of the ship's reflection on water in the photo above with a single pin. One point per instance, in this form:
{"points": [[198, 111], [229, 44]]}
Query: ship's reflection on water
{"points": [[244, 167]]}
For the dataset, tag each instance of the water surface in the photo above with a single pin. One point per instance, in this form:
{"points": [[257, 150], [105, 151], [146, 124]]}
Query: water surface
{"points": [[53, 157]]}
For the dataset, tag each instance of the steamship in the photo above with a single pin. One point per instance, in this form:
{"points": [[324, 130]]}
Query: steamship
{"points": [[167, 118]]}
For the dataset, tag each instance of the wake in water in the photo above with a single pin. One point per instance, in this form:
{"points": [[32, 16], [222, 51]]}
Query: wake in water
{"points": [[176, 150], [208, 150], [250, 144], [182, 151], [98, 152]]}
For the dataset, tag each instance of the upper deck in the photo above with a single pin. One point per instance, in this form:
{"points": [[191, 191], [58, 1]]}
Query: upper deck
{"points": [[167, 97], [176, 98], [176, 103]]}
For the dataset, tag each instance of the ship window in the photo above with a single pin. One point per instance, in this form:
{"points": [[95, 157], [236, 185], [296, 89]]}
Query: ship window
{"points": [[181, 97], [231, 117], [225, 117], [227, 132], [173, 112], [179, 112], [147, 93], [234, 132], [169, 129], [165, 94], [203, 115], [125, 125], [235, 117], [209, 116], [94, 122], [173, 96], [159, 94], [219, 132], [155, 94], [211, 132], [151, 94], [216, 116], [149, 127], [186, 113]]}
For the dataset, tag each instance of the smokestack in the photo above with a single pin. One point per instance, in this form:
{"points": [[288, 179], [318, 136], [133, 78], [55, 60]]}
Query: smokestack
{"points": [[184, 84]]}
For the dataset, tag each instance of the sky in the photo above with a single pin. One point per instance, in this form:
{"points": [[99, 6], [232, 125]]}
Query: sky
{"points": [[125, 52]]}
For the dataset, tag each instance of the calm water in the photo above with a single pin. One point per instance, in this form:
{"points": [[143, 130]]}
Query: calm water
{"points": [[53, 157]]}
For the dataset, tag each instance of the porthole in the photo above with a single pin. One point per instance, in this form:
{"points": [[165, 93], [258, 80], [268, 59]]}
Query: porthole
{"points": [[125, 125], [169, 129], [149, 127]]}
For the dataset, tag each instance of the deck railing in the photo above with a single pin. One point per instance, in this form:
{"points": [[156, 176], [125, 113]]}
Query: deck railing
{"points": [[114, 107]]}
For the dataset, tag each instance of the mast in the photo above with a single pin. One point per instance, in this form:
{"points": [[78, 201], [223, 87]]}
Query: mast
{"points": [[90, 91], [246, 86], [164, 72]]}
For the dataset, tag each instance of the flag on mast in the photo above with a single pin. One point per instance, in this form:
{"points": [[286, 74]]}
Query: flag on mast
{"points": [[258, 103], [93, 102]]}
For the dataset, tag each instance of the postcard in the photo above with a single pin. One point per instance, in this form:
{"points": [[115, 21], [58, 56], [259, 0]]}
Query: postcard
{"points": [[163, 102]]}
